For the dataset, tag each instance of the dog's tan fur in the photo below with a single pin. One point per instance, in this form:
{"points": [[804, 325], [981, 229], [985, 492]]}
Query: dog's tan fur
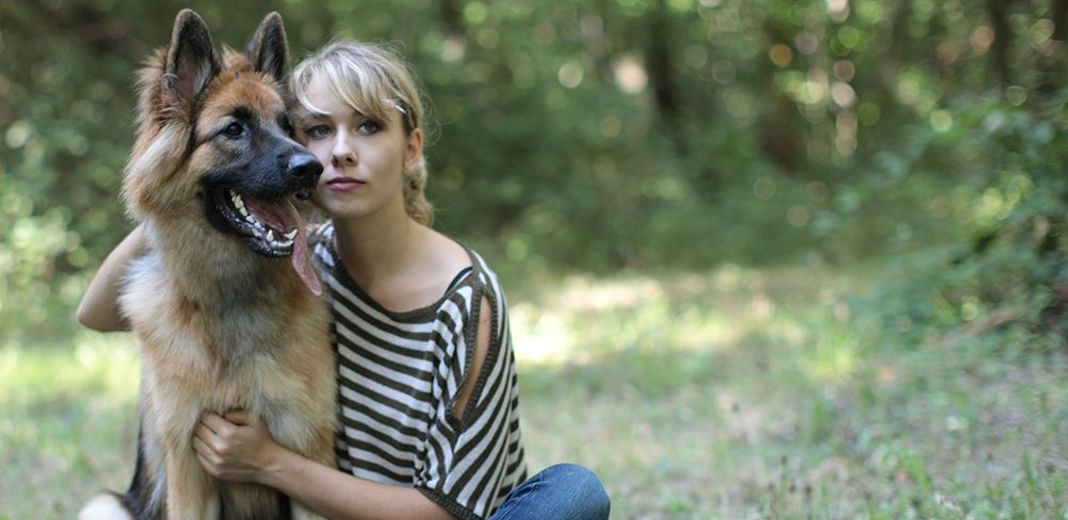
{"points": [[221, 328]]}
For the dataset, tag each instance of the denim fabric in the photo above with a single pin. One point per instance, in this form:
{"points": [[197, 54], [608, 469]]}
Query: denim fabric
{"points": [[560, 492]]}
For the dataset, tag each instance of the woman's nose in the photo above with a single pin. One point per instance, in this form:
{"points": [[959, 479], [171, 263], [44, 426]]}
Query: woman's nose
{"points": [[343, 154]]}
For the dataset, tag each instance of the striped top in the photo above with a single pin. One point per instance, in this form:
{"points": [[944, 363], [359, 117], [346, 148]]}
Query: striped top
{"points": [[398, 376]]}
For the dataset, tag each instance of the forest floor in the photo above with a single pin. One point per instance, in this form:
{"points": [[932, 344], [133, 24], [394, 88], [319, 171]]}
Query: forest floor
{"points": [[733, 393]]}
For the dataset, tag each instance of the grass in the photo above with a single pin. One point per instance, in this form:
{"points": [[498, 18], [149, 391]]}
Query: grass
{"points": [[735, 393], [68, 427]]}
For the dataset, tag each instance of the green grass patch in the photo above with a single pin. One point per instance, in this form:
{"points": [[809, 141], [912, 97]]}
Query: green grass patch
{"points": [[68, 425], [734, 393]]}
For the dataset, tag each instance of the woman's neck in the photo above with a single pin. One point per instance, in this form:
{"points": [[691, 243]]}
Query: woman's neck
{"points": [[373, 248]]}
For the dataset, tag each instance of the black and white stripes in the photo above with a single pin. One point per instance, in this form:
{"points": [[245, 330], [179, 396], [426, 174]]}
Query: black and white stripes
{"points": [[398, 375]]}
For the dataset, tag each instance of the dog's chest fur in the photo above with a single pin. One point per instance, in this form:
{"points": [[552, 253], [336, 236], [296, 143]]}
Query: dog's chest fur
{"points": [[226, 335]]}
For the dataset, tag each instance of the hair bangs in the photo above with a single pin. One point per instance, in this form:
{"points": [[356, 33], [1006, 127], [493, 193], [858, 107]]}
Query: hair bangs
{"points": [[361, 87]]}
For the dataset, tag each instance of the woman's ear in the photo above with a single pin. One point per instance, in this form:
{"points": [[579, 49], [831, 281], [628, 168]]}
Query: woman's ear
{"points": [[414, 151]]}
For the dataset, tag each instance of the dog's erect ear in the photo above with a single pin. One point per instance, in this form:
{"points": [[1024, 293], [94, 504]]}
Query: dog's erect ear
{"points": [[191, 61], [268, 49]]}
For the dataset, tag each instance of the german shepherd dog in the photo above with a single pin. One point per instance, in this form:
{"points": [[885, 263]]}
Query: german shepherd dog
{"points": [[223, 319]]}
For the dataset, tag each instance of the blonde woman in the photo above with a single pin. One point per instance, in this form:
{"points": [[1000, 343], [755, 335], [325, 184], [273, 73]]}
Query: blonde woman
{"points": [[427, 400]]}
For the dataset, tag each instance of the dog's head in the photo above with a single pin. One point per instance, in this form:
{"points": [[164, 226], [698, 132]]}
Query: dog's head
{"points": [[215, 147]]}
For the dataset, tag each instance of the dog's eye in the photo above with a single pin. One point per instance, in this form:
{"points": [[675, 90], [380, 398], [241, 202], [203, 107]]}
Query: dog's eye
{"points": [[234, 130], [287, 126]]}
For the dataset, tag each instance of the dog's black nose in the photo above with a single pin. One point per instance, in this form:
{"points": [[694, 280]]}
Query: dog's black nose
{"points": [[302, 165]]}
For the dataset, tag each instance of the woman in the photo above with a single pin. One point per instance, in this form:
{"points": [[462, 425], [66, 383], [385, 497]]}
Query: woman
{"points": [[427, 390]]}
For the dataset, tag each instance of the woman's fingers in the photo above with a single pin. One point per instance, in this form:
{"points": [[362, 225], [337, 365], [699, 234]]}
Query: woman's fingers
{"points": [[216, 423], [210, 437], [240, 417], [207, 456]]}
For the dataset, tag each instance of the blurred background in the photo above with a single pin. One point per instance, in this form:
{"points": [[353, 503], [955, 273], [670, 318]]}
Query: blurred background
{"points": [[765, 259]]}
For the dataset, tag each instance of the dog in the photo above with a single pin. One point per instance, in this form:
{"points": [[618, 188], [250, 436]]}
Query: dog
{"points": [[225, 303]]}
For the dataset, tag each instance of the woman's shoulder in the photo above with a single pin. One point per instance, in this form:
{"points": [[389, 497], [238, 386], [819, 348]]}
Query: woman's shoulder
{"points": [[443, 255], [458, 262]]}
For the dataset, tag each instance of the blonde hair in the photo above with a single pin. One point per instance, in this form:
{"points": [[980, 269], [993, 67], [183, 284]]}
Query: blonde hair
{"points": [[373, 81]]}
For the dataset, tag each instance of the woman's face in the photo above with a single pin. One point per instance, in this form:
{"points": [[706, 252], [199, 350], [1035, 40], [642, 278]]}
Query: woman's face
{"points": [[363, 157]]}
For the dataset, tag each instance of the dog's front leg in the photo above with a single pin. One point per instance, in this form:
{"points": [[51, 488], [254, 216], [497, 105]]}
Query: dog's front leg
{"points": [[191, 493]]}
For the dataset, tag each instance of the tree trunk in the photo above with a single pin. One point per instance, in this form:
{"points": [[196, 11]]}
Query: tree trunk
{"points": [[899, 35], [661, 68], [1053, 62], [781, 137], [999, 51], [452, 17]]}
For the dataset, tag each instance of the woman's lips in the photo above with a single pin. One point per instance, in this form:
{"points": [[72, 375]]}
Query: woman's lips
{"points": [[344, 184]]}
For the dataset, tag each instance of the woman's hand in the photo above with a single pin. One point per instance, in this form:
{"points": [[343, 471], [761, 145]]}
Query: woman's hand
{"points": [[236, 448]]}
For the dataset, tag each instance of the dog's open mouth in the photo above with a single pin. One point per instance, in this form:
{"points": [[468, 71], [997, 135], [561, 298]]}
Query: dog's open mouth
{"points": [[271, 228]]}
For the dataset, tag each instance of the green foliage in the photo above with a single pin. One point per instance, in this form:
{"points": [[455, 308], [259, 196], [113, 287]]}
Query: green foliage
{"points": [[650, 136], [1005, 261], [597, 136]]}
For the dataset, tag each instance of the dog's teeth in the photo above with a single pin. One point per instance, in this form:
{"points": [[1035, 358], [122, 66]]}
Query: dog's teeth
{"points": [[275, 243], [270, 236], [291, 235], [239, 204]]}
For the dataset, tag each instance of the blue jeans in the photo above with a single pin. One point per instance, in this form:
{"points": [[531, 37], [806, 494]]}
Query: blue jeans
{"points": [[563, 491]]}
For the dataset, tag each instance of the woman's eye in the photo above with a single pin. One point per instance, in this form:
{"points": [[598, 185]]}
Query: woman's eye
{"points": [[370, 127], [234, 130], [318, 132]]}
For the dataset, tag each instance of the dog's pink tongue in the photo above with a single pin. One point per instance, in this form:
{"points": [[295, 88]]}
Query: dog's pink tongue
{"points": [[301, 260], [283, 217], [302, 263]]}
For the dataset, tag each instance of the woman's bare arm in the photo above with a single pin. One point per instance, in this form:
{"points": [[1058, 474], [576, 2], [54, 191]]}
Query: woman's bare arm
{"points": [[99, 308]]}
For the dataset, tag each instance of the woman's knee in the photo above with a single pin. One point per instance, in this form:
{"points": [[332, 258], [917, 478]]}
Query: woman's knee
{"points": [[592, 499]]}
